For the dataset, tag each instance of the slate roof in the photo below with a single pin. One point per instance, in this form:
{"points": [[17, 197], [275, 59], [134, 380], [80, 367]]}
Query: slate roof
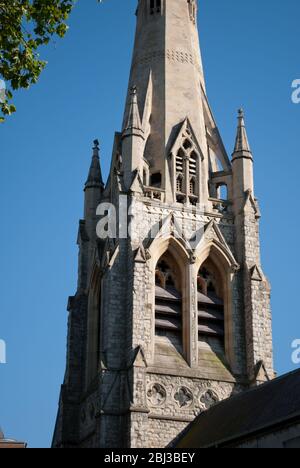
{"points": [[252, 412]]}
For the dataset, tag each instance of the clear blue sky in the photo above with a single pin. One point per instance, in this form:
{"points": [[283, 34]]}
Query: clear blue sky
{"points": [[251, 56]]}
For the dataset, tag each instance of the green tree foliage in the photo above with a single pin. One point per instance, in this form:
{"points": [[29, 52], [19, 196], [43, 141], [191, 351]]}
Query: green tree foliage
{"points": [[25, 26]]}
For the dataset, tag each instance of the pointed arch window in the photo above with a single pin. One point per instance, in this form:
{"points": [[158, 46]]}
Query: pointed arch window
{"points": [[187, 144], [168, 301], [210, 307], [222, 191], [187, 170]]}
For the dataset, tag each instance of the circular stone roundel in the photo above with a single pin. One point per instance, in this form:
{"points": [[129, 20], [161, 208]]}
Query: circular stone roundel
{"points": [[183, 397], [157, 395]]}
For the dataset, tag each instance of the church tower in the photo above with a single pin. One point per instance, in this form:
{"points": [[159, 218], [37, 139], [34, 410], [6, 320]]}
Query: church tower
{"points": [[172, 311]]}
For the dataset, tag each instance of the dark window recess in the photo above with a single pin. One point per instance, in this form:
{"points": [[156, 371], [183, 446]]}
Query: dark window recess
{"points": [[168, 303], [155, 6], [179, 183], [145, 178], [210, 308], [192, 186], [156, 180]]}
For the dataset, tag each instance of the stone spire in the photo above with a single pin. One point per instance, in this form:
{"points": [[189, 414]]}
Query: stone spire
{"points": [[185, 231], [241, 143], [167, 49], [95, 179], [93, 191]]}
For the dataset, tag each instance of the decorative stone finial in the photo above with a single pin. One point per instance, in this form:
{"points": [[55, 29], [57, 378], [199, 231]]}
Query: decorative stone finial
{"points": [[241, 143], [95, 173]]}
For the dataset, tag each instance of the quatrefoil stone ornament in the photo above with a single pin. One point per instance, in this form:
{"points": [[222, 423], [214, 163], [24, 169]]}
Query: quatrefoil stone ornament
{"points": [[183, 397], [156, 395], [209, 399]]}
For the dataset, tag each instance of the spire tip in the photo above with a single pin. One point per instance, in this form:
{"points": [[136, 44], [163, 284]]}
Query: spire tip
{"points": [[242, 143], [241, 113], [96, 144]]}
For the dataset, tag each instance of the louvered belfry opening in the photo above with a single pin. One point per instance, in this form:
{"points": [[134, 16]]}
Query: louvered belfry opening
{"points": [[168, 301], [210, 307]]}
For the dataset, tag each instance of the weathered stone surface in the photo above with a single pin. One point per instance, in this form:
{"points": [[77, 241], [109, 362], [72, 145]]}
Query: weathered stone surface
{"points": [[128, 384]]}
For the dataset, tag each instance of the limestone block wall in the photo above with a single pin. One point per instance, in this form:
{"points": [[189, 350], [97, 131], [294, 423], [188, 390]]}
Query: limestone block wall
{"points": [[258, 319]]}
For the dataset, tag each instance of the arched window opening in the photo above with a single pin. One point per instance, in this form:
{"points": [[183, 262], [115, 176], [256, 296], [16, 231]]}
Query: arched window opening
{"points": [[215, 165], [156, 180], [210, 308], [158, 6], [152, 6], [186, 166], [168, 302], [187, 144], [222, 192]]}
